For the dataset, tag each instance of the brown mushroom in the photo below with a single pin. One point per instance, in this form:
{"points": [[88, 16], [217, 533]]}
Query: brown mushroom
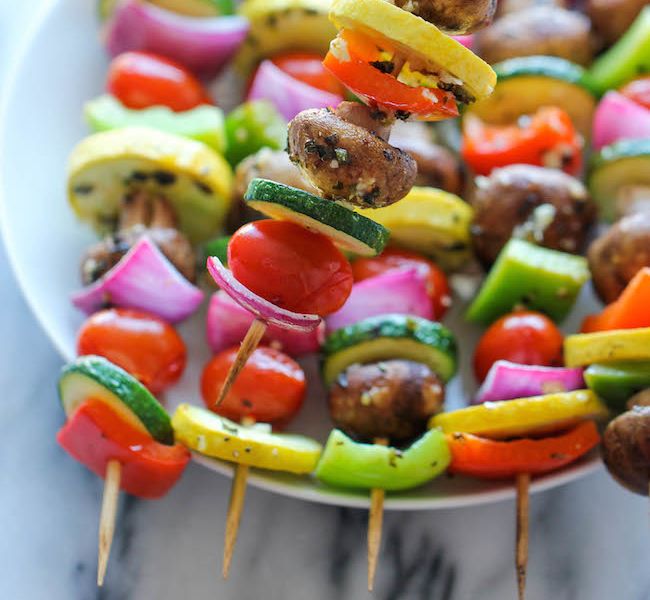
{"points": [[392, 399], [616, 257], [348, 161], [611, 18], [452, 16], [545, 206], [539, 30], [626, 449]]}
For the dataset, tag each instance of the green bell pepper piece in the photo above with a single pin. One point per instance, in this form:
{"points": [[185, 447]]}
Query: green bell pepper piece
{"points": [[251, 127], [530, 276], [203, 123], [626, 59], [349, 464], [217, 247], [616, 383]]}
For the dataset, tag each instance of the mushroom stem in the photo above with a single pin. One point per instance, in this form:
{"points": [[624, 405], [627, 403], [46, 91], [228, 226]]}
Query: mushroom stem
{"points": [[135, 210], [162, 213]]}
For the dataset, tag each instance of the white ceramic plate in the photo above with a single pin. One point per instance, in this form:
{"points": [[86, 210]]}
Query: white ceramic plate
{"points": [[62, 66]]}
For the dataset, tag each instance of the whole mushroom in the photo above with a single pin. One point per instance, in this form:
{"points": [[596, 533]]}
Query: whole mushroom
{"points": [[539, 30], [611, 18], [452, 16], [392, 399], [544, 206]]}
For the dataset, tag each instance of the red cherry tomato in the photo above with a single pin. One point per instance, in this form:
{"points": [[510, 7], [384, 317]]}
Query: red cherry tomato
{"points": [[393, 259], [638, 90], [270, 388], [309, 69], [141, 80], [142, 344], [526, 337], [294, 268]]}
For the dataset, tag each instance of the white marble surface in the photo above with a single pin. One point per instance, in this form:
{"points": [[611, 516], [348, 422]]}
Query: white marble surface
{"points": [[590, 540]]}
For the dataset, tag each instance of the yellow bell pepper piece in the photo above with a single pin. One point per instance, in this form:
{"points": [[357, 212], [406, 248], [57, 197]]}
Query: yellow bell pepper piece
{"points": [[523, 417], [418, 37], [431, 222], [207, 433], [607, 346]]}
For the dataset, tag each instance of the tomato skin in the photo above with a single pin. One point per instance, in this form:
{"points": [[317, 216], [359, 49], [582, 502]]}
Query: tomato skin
{"points": [[290, 266], [308, 68], [142, 344], [270, 388], [638, 90], [523, 337], [549, 132], [141, 79], [395, 259]]}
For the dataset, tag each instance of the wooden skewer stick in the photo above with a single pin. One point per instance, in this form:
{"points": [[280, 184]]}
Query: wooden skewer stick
{"points": [[235, 508], [375, 524], [251, 340], [521, 557], [107, 517]]}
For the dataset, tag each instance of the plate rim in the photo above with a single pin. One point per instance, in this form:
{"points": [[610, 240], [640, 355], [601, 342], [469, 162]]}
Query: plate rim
{"points": [[568, 475]]}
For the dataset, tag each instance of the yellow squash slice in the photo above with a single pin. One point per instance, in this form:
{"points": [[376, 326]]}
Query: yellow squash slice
{"points": [[607, 346], [209, 434]]}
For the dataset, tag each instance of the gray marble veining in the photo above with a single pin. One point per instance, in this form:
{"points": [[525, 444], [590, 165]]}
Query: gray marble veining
{"points": [[589, 540]]}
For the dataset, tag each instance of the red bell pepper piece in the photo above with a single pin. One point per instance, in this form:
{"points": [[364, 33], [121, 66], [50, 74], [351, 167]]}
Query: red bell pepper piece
{"points": [[491, 459], [547, 139], [95, 434], [382, 89], [630, 311]]}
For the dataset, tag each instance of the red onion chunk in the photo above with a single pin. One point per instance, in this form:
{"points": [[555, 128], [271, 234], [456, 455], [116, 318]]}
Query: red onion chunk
{"points": [[288, 95], [395, 292], [508, 381], [258, 306], [617, 118], [143, 279], [227, 324], [203, 45], [465, 40]]}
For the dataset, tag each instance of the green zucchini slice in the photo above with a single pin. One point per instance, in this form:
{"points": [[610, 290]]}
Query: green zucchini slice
{"points": [[95, 377], [387, 337], [527, 83], [347, 229], [625, 163]]}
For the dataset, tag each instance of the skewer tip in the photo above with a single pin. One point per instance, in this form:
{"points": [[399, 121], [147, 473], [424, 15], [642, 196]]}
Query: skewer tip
{"points": [[107, 517], [235, 508]]}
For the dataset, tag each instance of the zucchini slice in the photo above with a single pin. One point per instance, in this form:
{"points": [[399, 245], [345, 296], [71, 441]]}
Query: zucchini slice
{"points": [[524, 416], [96, 377], [278, 26], [347, 229], [430, 222], [105, 166], [527, 83], [387, 337], [203, 123], [624, 164], [584, 349], [212, 435]]}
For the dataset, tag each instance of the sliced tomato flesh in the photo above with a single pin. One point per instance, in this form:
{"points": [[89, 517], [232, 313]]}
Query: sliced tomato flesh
{"points": [[360, 71], [491, 459], [95, 435]]}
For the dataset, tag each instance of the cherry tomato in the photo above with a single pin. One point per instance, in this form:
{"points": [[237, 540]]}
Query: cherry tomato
{"points": [[270, 388], [638, 90], [142, 344], [294, 268], [141, 80], [309, 69], [393, 259], [523, 337]]}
